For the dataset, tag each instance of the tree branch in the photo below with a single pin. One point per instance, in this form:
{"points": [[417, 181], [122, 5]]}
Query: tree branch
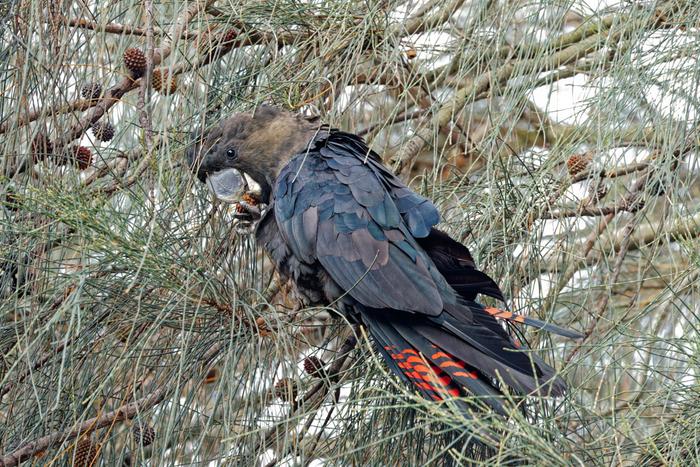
{"points": [[422, 22], [587, 211], [249, 37], [486, 81]]}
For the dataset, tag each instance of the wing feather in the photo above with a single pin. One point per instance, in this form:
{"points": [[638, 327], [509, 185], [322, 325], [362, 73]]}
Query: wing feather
{"points": [[337, 206]]}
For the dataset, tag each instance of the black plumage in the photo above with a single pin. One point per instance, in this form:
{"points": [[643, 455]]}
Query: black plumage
{"points": [[346, 231]]}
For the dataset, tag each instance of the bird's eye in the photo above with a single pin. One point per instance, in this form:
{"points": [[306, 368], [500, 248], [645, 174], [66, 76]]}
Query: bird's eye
{"points": [[230, 153]]}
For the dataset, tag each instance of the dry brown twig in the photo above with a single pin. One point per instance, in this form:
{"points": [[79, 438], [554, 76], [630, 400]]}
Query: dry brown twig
{"points": [[145, 85], [116, 28]]}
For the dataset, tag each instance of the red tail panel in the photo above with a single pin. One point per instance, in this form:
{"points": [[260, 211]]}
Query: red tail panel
{"points": [[425, 374]]}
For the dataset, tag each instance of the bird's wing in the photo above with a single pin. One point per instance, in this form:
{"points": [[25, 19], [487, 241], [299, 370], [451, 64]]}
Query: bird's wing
{"points": [[452, 259], [337, 205]]}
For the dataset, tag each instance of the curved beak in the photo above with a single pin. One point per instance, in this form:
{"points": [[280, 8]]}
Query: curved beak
{"points": [[228, 185]]}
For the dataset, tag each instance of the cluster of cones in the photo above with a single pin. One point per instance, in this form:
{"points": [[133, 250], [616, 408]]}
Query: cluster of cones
{"points": [[42, 148], [86, 452], [163, 80], [287, 389]]}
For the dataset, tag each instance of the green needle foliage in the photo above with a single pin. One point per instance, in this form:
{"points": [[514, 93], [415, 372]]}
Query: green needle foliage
{"points": [[558, 138]]}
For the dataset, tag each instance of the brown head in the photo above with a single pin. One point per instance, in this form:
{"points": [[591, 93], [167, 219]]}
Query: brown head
{"points": [[258, 143]]}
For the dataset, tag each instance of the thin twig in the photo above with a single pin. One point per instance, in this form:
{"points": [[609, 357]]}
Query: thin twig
{"points": [[313, 398], [403, 117], [143, 103], [116, 28], [605, 296]]}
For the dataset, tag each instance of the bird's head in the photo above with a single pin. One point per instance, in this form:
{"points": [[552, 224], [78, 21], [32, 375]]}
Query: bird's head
{"points": [[258, 143]]}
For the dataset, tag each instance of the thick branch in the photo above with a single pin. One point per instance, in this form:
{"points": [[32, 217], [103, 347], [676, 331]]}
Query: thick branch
{"points": [[486, 81], [422, 22]]}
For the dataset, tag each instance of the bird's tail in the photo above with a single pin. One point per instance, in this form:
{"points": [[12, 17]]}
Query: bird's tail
{"points": [[443, 360], [435, 373]]}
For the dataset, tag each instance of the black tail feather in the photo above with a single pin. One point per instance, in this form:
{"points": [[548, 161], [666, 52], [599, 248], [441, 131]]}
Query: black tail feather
{"points": [[441, 361], [526, 320], [455, 263], [497, 358]]}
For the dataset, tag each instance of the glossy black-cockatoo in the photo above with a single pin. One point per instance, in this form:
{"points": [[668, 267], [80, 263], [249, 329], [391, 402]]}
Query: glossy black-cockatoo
{"points": [[347, 232]]}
